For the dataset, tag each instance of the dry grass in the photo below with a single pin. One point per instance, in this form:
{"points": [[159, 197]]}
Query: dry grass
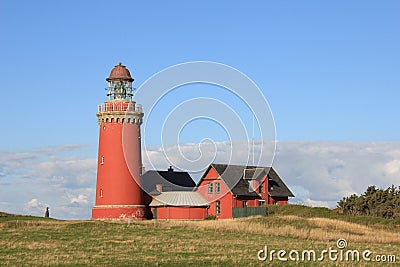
{"points": [[318, 229], [181, 243], [353, 231], [18, 223]]}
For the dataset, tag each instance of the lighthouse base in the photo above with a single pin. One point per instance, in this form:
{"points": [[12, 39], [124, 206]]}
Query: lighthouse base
{"points": [[119, 212]]}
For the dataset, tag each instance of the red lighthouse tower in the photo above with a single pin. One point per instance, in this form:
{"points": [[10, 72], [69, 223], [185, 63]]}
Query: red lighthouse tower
{"points": [[118, 191]]}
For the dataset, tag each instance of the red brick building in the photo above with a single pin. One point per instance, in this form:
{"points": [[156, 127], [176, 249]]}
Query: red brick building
{"points": [[234, 186]]}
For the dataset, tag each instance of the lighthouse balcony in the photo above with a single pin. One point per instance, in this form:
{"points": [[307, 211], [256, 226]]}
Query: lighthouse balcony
{"points": [[120, 106]]}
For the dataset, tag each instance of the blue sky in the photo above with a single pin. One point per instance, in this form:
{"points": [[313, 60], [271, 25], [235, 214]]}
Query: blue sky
{"points": [[329, 69]]}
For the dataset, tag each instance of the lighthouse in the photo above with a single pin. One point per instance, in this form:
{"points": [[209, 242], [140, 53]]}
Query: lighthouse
{"points": [[119, 165]]}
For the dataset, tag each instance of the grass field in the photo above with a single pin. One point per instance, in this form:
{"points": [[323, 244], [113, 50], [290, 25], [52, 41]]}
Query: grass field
{"points": [[32, 241]]}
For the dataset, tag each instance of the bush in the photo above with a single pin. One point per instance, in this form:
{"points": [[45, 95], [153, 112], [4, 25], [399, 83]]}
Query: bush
{"points": [[373, 202], [210, 217]]}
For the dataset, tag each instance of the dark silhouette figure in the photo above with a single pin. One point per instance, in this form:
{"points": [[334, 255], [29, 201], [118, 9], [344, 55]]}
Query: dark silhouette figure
{"points": [[47, 214]]}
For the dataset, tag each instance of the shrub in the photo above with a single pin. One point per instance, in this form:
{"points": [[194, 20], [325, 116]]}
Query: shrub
{"points": [[210, 217], [373, 202]]}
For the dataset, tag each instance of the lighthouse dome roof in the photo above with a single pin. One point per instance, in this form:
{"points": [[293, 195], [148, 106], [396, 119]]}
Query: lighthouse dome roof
{"points": [[120, 72]]}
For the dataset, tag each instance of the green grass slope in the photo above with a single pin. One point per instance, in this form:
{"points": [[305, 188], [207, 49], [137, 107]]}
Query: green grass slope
{"points": [[309, 212], [34, 241]]}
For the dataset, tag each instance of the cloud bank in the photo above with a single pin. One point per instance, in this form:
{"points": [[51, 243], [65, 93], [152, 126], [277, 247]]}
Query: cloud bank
{"points": [[319, 173], [61, 178]]}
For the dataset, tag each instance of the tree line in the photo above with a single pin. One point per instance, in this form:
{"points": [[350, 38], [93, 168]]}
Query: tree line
{"points": [[373, 202]]}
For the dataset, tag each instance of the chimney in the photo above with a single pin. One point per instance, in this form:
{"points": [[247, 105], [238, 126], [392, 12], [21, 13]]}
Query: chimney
{"points": [[170, 169], [159, 187]]}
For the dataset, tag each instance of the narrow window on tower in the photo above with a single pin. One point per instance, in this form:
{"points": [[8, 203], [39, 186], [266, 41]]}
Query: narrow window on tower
{"points": [[210, 188], [101, 193], [102, 160], [217, 207]]}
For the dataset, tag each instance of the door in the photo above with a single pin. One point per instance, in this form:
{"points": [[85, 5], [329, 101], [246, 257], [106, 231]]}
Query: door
{"points": [[155, 213]]}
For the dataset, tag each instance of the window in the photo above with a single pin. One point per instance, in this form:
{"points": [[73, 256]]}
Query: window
{"points": [[210, 188], [101, 193], [261, 202], [217, 207], [244, 204], [102, 160], [261, 188], [217, 188]]}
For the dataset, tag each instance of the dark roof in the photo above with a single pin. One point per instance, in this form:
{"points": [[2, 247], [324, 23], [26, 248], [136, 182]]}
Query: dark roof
{"points": [[276, 187], [232, 176], [170, 180], [236, 177]]}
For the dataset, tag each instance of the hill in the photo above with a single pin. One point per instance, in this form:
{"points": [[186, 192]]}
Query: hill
{"points": [[27, 241], [12, 217]]}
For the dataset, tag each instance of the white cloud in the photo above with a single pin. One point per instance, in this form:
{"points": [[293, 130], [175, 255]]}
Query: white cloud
{"points": [[33, 203], [314, 203], [61, 177], [393, 167], [80, 199], [331, 170], [318, 173], [35, 207]]}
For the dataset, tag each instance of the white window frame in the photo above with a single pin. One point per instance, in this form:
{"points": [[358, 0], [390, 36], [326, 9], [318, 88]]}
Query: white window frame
{"points": [[217, 207], [210, 188], [217, 188]]}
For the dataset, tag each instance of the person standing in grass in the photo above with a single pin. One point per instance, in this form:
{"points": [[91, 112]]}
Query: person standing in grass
{"points": [[47, 214]]}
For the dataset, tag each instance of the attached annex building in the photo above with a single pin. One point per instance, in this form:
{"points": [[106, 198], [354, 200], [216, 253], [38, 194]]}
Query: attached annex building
{"points": [[181, 205]]}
